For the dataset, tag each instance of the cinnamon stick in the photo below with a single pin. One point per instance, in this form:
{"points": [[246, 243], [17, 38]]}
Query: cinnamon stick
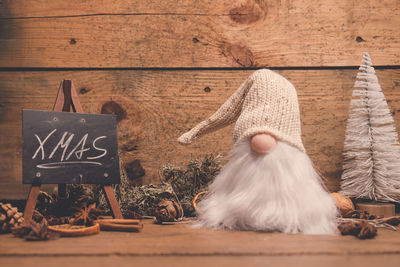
{"points": [[121, 227], [120, 221]]}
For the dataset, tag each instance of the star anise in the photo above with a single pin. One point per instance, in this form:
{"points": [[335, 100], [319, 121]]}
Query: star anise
{"points": [[86, 215], [361, 229]]}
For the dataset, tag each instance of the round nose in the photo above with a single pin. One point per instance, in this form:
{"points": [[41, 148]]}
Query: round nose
{"points": [[262, 143]]}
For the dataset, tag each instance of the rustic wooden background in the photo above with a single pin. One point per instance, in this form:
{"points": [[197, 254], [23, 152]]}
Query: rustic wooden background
{"points": [[163, 66]]}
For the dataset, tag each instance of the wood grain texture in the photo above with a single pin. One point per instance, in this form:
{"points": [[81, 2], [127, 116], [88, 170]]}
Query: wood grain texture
{"points": [[245, 33], [155, 107], [182, 240], [387, 260]]}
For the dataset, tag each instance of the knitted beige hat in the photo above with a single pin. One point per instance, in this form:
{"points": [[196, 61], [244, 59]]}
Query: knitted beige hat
{"points": [[265, 103]]}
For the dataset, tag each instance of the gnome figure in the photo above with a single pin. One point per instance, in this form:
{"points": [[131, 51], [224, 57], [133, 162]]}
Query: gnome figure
{"points": [[269, 183]]}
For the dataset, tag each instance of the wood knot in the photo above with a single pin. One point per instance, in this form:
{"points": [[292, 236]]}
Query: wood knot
{"points": [[249, 12], [112, 107], [134, 170], [359, 39], [241, 55], [83, 91]]}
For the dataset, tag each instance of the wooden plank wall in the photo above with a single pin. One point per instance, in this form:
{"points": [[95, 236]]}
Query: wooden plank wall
{"points": [[163, 66]]}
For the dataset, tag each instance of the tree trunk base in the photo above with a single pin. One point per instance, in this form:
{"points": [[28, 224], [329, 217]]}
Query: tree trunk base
{"points": [[377, 208]]}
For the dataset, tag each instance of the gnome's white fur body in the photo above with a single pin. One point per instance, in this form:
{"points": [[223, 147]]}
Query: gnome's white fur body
{"points": [[277, 191]]}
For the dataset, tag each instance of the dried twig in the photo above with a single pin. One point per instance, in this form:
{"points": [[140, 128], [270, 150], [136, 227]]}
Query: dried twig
{"points": [[388, 223]]}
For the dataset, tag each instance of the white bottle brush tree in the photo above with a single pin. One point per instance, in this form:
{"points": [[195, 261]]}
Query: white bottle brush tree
{"points": [[371, 154]]}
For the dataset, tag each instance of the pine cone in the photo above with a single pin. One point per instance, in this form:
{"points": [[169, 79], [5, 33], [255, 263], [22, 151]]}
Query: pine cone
{"points": [[37, 230], [168, 211], [9, 218]]}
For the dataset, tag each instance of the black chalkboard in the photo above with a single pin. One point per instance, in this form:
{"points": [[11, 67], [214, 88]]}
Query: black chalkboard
{"points": [[69, 148]]}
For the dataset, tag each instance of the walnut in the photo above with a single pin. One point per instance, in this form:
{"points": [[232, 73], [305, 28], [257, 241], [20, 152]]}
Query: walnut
{"points": [[168, 211], [344, 203]]}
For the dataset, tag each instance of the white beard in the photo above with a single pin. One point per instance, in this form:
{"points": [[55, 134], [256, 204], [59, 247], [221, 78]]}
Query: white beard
{"points": [[277, 192]]}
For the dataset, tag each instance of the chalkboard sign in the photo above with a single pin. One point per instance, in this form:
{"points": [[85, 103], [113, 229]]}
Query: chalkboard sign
{"points": [[69, 148]]}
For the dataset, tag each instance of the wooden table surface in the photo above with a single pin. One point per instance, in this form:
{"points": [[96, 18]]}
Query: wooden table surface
{"points": [[181, 245]]}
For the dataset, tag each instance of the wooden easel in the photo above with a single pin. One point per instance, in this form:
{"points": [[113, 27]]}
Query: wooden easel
{"points": [[67, 98]]}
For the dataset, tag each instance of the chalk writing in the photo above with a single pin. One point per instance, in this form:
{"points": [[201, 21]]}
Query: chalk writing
{"points": [[63, 144], [55, 165], [40, 148]]}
